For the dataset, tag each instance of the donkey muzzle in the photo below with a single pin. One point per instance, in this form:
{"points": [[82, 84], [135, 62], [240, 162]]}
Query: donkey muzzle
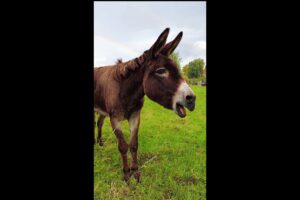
{"points": [[190, 102], [183, 98]]}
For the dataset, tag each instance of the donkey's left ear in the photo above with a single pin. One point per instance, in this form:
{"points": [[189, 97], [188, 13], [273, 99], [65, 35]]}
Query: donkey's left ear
{"points": [[171, 46], [160, 43]]}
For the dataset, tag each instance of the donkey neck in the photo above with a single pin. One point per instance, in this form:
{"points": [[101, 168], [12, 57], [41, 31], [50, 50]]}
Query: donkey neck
{"points": [[132, 86]]}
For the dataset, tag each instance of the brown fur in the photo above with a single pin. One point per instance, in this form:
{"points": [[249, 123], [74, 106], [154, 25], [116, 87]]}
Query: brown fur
{"points": [[119, 91]]}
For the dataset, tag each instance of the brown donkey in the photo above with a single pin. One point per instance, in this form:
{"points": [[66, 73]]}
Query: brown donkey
{"points": [[119, 93]]}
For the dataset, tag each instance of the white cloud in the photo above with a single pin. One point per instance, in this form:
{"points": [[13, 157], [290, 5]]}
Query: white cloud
{"points": [[201, 45], [101, 59], [107, 50], [135, 26]]}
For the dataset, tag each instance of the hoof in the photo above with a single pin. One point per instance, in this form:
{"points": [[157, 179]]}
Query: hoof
{"points": [[136, 174], [100, 142], [126, 175], [126, 178]]}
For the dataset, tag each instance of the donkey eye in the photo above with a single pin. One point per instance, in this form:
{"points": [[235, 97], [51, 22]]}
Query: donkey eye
{"points": [[161, 71]]}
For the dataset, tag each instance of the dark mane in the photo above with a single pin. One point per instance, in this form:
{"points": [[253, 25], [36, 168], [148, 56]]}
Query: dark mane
{"points": [[119, 60], [124, 68]]}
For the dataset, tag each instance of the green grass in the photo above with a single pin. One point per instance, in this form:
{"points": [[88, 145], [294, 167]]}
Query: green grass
{"points": [[171, 156]]}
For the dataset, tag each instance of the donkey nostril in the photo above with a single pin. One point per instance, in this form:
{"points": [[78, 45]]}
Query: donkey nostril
{"points": [[189, 97]]}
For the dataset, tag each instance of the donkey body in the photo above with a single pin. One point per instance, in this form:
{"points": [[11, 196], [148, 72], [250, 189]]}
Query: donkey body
{"points": [[119, 92]]}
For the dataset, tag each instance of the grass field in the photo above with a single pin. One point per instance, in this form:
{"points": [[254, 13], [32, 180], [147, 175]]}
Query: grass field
{"points": [[171, 156]]}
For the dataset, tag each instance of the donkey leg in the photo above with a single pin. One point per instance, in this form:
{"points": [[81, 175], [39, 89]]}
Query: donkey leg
{"points": [[134, 122], [100, 124], [95, 124], [122, 146]]}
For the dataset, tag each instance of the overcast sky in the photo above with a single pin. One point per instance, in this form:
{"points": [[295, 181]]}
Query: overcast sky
{"points": [[126, 29]]}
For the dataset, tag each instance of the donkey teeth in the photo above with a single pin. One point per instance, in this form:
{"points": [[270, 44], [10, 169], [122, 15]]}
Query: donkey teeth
{"points": [[180, 110]]}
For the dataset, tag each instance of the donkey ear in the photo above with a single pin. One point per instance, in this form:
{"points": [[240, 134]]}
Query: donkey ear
{"points": [[171, 46], [160, 43]]}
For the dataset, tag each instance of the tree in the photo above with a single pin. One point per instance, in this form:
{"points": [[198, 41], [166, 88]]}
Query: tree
{"points": [[176, 59], [195, 68], [185, 71]]}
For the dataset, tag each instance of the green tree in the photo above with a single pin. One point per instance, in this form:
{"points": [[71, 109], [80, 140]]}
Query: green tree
{"points": [[195, 68], [176, 59], [185, 71]]}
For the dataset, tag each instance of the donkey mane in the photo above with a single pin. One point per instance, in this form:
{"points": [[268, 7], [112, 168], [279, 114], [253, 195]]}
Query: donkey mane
{"points": [[124, 68], [119, 60]]}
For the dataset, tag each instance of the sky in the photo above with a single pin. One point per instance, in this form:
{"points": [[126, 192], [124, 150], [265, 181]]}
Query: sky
{"points": [[127, 29]]}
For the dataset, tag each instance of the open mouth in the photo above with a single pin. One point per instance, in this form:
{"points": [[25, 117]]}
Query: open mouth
{"points": [[180, 110]]}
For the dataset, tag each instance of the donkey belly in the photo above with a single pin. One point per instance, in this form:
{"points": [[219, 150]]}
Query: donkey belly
{"points": [[99, 100], [99, 105], [101, 112], [100, 87]]}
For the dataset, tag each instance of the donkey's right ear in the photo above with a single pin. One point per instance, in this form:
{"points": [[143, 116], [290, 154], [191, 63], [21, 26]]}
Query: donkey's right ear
{"points": [[159, 44], [171, 46]]}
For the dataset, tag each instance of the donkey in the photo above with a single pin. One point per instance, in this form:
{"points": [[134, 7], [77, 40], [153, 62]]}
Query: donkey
{"points": [[119, 92]]}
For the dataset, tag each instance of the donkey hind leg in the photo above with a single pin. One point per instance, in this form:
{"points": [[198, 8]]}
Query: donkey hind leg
{"points": [[100, 124], [95, 123], [122, 146], [134, 122]]}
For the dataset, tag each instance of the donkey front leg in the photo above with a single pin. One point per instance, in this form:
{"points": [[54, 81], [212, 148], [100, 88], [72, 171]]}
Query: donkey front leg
{"points": [[122, 145], [134, 122], [100, 124]]}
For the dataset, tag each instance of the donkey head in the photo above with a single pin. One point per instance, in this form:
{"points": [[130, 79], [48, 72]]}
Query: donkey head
{"points": [[162, 80]]}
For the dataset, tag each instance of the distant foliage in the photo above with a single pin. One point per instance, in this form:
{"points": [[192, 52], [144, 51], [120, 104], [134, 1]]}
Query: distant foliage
{"points": [[185, 71], [194, 71], [176, 59], [196, 68]]}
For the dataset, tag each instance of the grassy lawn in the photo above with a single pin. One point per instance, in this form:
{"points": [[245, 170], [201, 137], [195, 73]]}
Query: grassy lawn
{"points": [[171, 156]]}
